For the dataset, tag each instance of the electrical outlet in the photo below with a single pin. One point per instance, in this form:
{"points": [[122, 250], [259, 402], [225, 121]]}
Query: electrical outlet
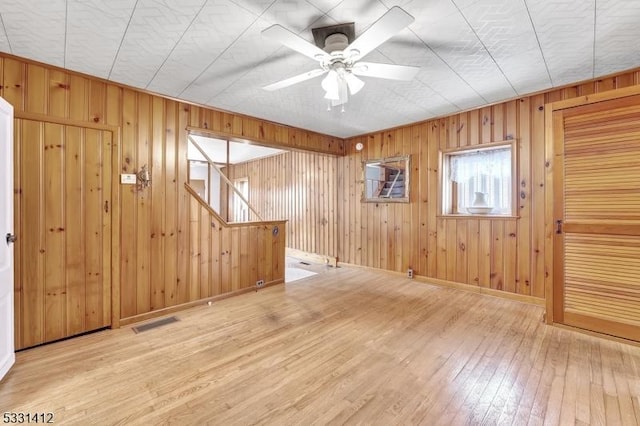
{"points": [[410, 273], [260, 283]]}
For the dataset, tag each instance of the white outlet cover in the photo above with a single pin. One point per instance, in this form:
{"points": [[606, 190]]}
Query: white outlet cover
{"points": [[127, 179]]}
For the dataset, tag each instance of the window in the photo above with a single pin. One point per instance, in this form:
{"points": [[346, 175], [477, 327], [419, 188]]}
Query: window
{"points": [[386, 180], [479, 180]]}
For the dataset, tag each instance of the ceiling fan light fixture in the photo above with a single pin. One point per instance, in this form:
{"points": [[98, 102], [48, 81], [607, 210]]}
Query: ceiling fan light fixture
{"points": [[332, 95], [330, 82], [341, 52], [331, 86], [354, 83]]}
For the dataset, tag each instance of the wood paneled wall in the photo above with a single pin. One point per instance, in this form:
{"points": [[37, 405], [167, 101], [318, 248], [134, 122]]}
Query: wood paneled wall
{"points": [[301, 188], [505, 254], [63, 220], [228, 258], [152, 248]]}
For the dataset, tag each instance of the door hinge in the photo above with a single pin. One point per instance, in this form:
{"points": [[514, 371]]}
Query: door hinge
{"points": [[11, 238], [558, 226], [106, 206]]}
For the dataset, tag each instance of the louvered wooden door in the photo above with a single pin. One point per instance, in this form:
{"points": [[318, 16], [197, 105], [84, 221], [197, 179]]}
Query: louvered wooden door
{"points": [[63, 222], [597, 199]]}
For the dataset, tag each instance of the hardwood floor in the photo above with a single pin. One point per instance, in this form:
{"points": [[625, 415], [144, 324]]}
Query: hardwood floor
{"points": [[344, 346]]}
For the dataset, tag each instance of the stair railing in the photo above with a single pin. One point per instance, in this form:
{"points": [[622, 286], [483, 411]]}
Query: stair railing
{"points": [[227, 181]]}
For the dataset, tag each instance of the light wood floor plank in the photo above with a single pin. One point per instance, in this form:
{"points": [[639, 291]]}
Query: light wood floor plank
{"points": [[347, 346]]}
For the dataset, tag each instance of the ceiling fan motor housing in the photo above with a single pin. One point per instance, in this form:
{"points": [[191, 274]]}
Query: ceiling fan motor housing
{"points": [[336, 42]]}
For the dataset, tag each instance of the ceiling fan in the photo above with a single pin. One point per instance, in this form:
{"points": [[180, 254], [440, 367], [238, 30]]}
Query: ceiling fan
{"points": [[340, 56]]}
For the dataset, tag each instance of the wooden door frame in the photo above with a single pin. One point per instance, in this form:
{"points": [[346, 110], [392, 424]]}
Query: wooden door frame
{"points": [[116, 133], [552, 131]]}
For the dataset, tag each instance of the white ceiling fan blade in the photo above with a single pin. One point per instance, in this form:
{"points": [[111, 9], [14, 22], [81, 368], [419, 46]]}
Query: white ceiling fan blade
{"points": [[380, 31], [293, 41], [389, 71], [295, 79]]}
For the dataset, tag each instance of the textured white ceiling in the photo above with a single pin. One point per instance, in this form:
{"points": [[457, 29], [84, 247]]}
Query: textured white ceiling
{"points": [[471, 52]]}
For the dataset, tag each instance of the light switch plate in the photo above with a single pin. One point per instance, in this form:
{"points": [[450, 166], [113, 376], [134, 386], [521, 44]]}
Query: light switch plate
{"points": [[127, 179]]}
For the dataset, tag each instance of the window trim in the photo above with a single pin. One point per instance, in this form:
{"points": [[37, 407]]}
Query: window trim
{"points": [[444, 170]]}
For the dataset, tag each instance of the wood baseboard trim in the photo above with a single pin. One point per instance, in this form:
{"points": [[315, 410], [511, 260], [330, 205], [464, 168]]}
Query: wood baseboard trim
{"points": [[272, 283], [183, 306], [312, 257], [460, 286], [596, 334]]}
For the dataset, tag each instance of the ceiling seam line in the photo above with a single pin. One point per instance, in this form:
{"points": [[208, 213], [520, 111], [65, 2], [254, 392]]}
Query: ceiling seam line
{"points": [[595, 16], [249, 10], [485, 47], [4, 29], [453, 104], [448, 66], [176, 44], [533, 26], [115, 58], [226, 49]]}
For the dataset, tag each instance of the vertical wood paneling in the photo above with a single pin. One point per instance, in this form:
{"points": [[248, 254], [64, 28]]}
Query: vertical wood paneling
{"points": [[497, 255], [473, 252], [94, 229], [484, 254], [78, 97], [32, 255], [461, 265], [128, 251], [17, 224], [143, 209], [54, 241], [157, 218], [247, 252], [538, 172], [65, 251], [299, 187], [58, 94], [180, 138], [205, 254], [37, 92], [506, 254], [524, 193], [432, 168], [171, 205], [194, 248], [13, 84], [153, 243], [158, 206]]}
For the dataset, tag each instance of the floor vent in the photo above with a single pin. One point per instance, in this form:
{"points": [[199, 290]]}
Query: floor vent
{"points": [[155, 324]]}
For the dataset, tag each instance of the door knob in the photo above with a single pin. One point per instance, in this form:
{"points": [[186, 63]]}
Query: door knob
{"points": [[11, 238]]}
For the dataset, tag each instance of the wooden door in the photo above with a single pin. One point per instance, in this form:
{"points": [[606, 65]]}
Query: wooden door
{"points": [[597, 201], [63, 205], [7, 355]]}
